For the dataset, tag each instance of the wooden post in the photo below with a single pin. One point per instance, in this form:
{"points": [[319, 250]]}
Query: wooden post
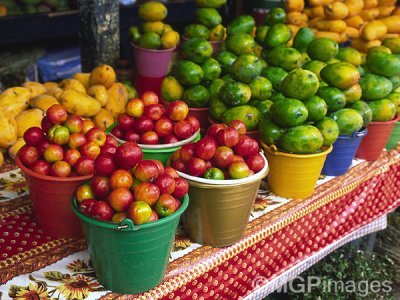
{"points": [[99, 33]]}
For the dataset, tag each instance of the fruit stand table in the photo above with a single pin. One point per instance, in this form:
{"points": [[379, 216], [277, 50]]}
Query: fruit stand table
{"points": [[284, 237]]}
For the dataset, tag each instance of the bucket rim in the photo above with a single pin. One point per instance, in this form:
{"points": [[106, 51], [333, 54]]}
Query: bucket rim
{"points": [[31, 173], [229, 182], [131, 226], [213, 122], [270, 150], [159, 147], [360, 133], [394, 120], [153, 50]]}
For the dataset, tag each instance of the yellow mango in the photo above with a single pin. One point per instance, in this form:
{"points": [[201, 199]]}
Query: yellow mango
{"points": [[296, 18], [1, 158], [386, 2], [369, 14], [43, 102], [72, 84], [294, 29], [312, 23], [27, 119], [13, 150], [104, 75], [35, 88], [80, 104], [308, 12], [392, 23], [328, 34], [336, 11], [370, 4], [117, 99], [354, 7], [355, 22], [8, 132], [338, 26], [103, 119], [294, 5], [343, 37], [363, 46], [49, 85], [55, 91], [98, 92], [389, 36], [14, 100], [352, 33], [385, 11], [318, 11], [83, 78], [373, 30], [319, 2]]}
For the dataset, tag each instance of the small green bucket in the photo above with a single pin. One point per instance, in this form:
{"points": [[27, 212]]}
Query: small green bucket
{"points": [[128, 258], [159, 152], [394, 137]]}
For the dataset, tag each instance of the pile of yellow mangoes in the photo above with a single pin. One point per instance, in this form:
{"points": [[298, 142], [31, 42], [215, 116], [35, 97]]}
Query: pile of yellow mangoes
{"points": [[153, 32], [94, 95], [365, 22]]}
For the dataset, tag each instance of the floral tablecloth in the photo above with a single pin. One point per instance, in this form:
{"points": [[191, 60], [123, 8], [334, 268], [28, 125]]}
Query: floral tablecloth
{"points": [[282, 235]]}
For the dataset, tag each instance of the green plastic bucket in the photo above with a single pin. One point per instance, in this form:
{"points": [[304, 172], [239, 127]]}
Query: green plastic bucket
{"points": [[394, 137], [159, 152], [128, 258]]}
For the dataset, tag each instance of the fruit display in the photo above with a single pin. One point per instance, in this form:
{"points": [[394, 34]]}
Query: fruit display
{"points": [[189, 77], [64, 146], [329, 91], [153, 32], [148, 122], [12, 8], [224, 153], [125, 186], [242, 91], [365, 22], [208, 24], [380, 83], [96, 95]]}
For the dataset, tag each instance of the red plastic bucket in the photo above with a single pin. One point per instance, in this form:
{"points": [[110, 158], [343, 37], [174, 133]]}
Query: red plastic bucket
{"points": [[374, 142], [152, 63], [144, 84], [253, 134], [200, 113], [51, 197]]}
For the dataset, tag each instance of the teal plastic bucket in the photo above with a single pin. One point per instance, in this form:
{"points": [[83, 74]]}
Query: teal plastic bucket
{"points": [[159, 152], [394, 137], [128, 258]]}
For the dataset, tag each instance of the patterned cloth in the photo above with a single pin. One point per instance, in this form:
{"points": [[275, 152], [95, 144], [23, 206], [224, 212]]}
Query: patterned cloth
{"points": [[282, 238]]}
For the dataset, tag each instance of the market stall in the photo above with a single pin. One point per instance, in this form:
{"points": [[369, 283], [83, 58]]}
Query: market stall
{"points": [[283, 238], [233, 156]]}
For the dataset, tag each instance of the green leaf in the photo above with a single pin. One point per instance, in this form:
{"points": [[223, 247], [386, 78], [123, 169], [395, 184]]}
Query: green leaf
{"points": [[13, 290], [43, 283], [56, 276]]}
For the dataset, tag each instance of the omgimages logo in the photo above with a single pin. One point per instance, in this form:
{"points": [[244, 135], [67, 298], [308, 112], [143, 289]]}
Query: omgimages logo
{"points": [[306, 285]]}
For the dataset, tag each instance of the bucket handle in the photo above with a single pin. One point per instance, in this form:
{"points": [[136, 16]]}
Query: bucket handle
{"points": [[125, 225], [360, 133]]}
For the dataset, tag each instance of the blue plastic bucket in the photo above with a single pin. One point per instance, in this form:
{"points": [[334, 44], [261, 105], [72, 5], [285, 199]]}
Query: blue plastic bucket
{"points": [[344, 149]]}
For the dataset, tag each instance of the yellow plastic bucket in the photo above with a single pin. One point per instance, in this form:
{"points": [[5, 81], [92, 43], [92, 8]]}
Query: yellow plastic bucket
{"points": [[293, 175]]}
